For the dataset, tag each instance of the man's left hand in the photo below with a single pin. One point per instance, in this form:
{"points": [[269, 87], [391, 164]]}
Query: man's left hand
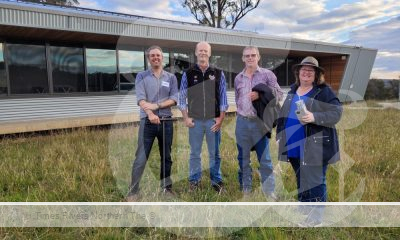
{"points": [[254, 96], [217, 126], [150, 106]]}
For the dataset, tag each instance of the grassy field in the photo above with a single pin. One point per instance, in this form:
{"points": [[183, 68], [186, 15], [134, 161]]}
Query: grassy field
{"points": [[93, 165]]}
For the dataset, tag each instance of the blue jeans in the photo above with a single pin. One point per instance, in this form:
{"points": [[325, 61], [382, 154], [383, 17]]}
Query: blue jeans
{"points": [[213, 139], [147, 133], [249, 134]]}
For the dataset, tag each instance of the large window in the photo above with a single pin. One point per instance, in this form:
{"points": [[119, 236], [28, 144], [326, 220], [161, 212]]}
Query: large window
{"points": [[166, 63], [130, 64], [222, 61], [277, 64], [3, 77], [27, 68], [181, 63], [68, 69], [291, 62], [102, 70]]}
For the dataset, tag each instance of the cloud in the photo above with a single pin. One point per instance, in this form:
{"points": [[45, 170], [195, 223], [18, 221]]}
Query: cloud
{"points": [[312, 20], [370, 23], [90, 4], [384, 35]]}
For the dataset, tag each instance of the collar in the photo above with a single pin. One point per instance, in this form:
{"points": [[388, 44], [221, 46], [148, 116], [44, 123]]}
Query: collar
{"points": [[198, 68], [244, 70], [162, 72]]}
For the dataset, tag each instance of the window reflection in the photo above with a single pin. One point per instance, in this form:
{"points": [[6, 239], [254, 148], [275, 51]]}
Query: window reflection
{"points": [[277, 64], [221, 60], [291, 62], [68, 69], [101, 69], [3, 77], [166, 63], [237, 67], [130, 64], [27, 68], [181, 63]]}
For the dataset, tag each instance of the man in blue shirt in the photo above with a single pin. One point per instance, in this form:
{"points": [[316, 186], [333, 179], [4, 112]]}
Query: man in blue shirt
{"points": [[156, 92], [203, 102]]}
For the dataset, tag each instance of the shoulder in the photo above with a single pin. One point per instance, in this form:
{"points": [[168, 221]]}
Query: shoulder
{"points": [[239, 76], [325, 90], [143, 74], [215, 69], [265, 71], [168, 74], [325, 93]]}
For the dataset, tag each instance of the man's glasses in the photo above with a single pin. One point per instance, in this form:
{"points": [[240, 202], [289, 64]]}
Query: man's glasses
{"points": [[154, 55], [250, 55]]}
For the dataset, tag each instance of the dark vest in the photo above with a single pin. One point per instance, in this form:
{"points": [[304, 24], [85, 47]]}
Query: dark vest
{"points": [[203, 92]]}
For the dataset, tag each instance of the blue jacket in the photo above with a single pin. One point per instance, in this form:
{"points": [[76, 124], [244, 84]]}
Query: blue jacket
{"points": [[321, 145]]}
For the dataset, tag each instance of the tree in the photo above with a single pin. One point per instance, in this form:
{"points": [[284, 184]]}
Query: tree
{"points": [[56, 2], [220, 13]]}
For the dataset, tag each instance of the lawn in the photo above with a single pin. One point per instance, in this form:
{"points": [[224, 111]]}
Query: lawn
{"points": [[94, 164]]}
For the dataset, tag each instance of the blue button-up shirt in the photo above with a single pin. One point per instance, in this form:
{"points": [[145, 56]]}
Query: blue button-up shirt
{"points": [[156, 90]]}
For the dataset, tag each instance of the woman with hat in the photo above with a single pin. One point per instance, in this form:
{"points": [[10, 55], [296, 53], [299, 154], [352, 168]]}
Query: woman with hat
{"points": [[306, 133]]}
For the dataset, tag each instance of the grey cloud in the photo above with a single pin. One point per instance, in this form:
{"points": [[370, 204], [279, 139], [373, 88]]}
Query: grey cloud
{"points": [[384, 36]]}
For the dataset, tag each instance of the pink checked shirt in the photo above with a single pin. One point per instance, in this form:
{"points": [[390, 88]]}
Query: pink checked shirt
{"points": [[243, 86]]}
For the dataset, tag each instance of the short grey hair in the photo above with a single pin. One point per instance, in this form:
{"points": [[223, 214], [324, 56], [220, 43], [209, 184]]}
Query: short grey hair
{"points": [[251, 48]]}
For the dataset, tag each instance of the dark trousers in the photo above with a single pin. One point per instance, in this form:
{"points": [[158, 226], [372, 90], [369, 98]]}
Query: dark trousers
{"points": [[147, 133], [311, 181]]}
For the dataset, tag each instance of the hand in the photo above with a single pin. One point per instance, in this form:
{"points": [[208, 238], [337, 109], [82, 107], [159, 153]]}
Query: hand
{"points": [[308, 117], [149, 106], [254, 96], [189, 122], [154, 119], [217, 126]]}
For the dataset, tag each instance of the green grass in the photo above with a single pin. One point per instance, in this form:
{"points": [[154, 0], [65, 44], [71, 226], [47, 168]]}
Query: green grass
{"points": [[93, 165]]}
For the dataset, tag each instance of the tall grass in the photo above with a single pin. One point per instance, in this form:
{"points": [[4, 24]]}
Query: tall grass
{"points": [[94, 164]]}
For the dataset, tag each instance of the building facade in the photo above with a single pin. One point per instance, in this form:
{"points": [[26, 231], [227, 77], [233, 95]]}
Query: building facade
{"points": [[74, 66]]}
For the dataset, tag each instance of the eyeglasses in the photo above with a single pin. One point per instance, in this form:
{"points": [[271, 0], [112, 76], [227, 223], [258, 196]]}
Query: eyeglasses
{"points": [[250, 55], [307, 70], [154, 55]]}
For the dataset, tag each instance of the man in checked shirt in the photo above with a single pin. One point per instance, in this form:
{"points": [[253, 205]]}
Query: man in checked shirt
{"points": [[249, 131]]}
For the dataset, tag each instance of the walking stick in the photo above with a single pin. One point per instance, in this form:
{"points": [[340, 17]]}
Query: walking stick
{"points": [[163, 120]]}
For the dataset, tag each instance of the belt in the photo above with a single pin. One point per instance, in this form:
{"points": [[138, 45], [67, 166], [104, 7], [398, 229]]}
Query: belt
{"points": [[163, 118], [248, 117]]}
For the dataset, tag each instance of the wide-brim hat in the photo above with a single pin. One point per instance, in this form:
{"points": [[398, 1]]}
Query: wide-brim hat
{"points": [[309, 61]]}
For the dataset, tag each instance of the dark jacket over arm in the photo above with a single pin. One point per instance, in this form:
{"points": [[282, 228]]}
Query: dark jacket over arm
{"points": [[267, 107]]}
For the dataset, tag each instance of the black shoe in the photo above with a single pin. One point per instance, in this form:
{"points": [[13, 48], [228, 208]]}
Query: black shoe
{"points": [[218, 187]]}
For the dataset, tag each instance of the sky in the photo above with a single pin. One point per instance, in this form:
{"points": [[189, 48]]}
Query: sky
{"points": [[370, 24]]}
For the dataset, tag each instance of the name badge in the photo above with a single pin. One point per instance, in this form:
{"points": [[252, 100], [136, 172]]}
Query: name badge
{"points": [[165, 84]]}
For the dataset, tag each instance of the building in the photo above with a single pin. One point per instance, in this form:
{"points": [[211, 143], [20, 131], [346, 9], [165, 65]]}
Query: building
{"points": [[66, 66]]}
